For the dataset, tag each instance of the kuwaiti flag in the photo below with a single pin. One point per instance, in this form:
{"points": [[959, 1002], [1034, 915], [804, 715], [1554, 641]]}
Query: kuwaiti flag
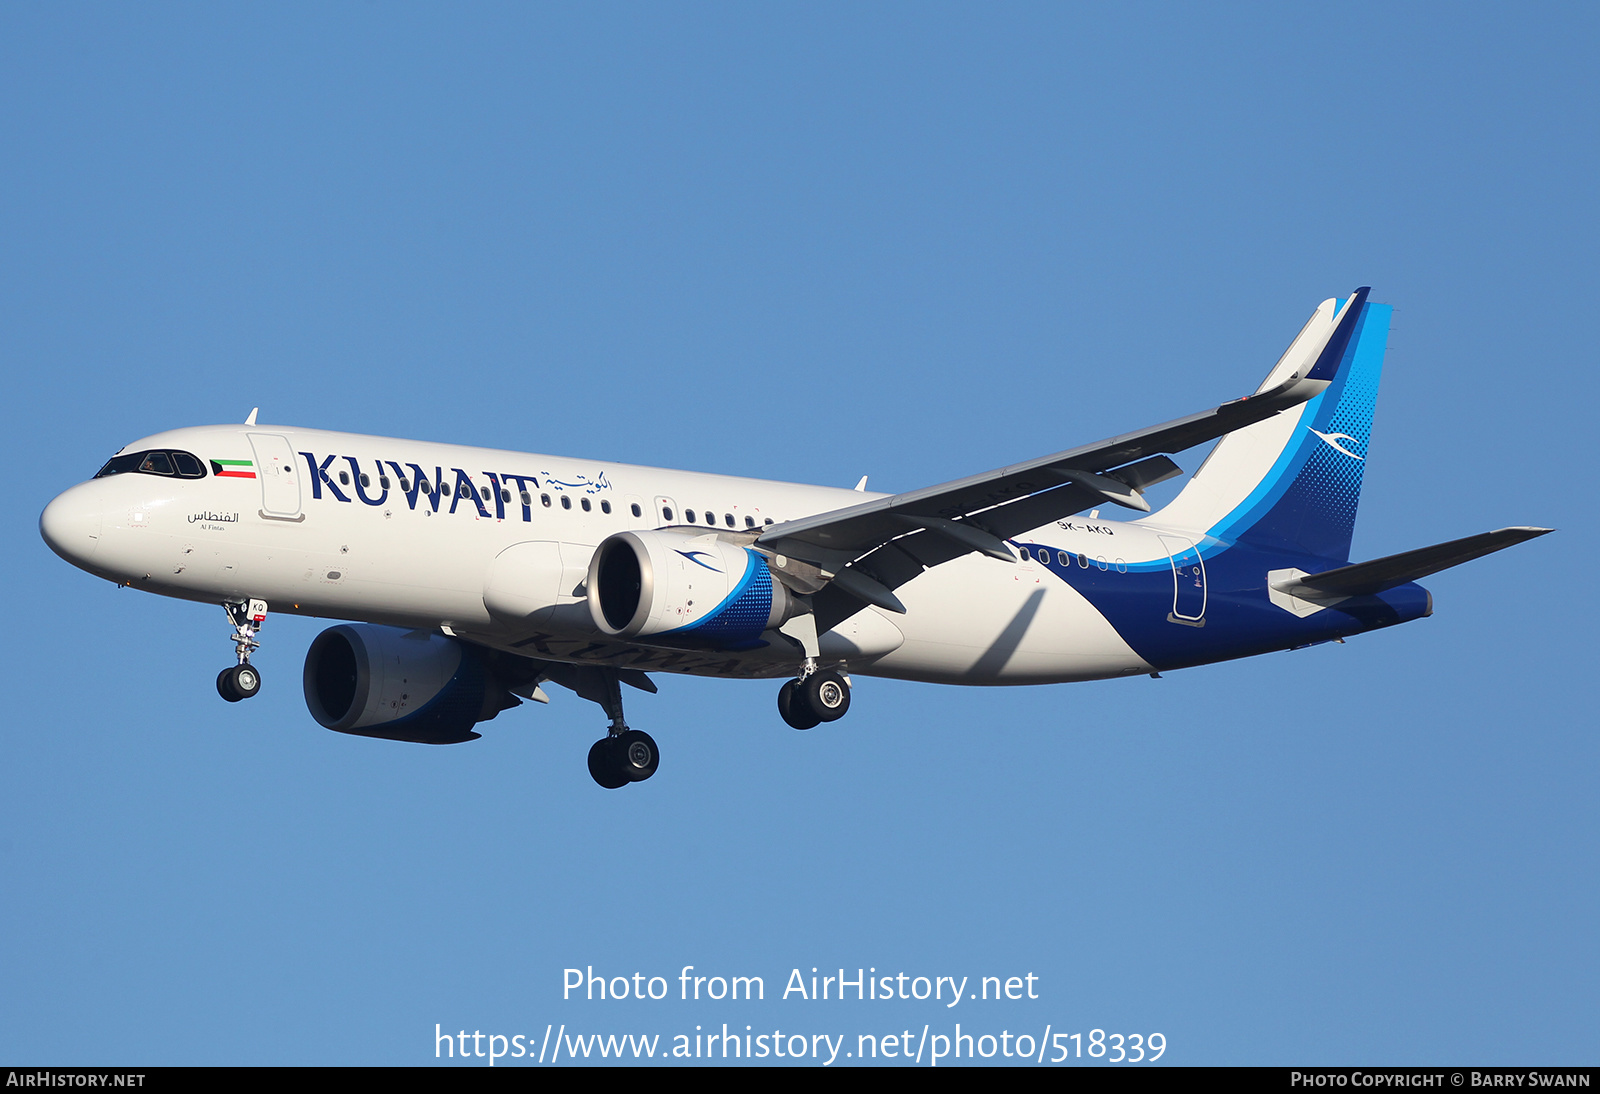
{"points": [[233, 469]]}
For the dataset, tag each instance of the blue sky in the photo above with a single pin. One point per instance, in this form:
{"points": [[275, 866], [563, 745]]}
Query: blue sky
{"points": [[807, 243]]}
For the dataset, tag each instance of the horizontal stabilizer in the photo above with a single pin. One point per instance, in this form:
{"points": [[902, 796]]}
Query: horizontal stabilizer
{"points": [[1366, 578]]}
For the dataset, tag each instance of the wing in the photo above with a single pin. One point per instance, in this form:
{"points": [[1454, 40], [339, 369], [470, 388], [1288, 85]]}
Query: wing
{"points": [[859, 555]]}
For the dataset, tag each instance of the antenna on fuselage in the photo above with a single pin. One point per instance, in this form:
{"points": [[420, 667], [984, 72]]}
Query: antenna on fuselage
{"points": [[252, 419]]}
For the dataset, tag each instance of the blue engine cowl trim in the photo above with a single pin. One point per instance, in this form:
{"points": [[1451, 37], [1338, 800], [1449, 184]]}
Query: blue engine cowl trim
{"points": [[737, 622], [449, 716]]}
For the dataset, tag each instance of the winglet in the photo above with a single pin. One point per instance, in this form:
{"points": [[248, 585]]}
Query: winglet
{"points": [[252, 419], [1327, 363], [1305, 383]]}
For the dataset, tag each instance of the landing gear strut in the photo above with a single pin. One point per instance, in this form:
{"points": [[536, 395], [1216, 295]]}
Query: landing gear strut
{"points": [[816, 696], [242, 681], [624, 755]]}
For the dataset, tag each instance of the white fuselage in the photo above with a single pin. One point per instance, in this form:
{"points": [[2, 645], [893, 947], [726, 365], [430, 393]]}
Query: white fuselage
{"points": [[306, 535]]}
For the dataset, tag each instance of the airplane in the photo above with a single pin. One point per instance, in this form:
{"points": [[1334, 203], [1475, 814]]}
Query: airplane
{"points": [[474, 576]]}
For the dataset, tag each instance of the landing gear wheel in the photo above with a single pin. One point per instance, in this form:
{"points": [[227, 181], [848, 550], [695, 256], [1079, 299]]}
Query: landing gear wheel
{"points": [[793, 707], [605, 764], [239, 682], [826, 694], [246, 681], [637, 755]]}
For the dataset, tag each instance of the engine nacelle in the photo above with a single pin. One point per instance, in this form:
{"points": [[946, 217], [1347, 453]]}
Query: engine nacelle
{"points": [[400, 685], [684, 589]]}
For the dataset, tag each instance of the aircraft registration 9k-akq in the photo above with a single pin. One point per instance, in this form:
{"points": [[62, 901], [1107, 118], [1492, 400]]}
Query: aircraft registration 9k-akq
{"points": [[473, 575]]}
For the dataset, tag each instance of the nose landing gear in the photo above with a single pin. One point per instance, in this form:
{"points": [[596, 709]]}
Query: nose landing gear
{"points": [[239, 682], [242, 681]]}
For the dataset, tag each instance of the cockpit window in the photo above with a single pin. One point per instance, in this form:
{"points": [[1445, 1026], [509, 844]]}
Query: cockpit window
{"points": [[182, 464], [116, 465]]}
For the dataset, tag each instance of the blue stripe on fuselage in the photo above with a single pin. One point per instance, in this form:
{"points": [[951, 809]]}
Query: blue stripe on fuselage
{"points": [[1240, 619]]}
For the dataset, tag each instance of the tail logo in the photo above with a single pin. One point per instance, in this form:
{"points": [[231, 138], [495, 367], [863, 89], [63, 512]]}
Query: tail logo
{"points": [[1333, 440]]}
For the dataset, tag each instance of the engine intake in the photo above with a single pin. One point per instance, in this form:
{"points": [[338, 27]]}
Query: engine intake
{"points": [[399, 685]]}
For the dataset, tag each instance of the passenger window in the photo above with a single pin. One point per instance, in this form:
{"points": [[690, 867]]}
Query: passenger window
{"points": [[544, 499], [1083, 562], [365, 481], [749, 522], [729, 518], [526, 498], [505, 497], [404, 485], [688, 514], [636, 510], [1063, 558], [585, 503], [344, 478], [188, 466], [483, 491], [444, 488], [605, 507], [566, 501], [666, 515], [769, 520], [156, 463], [425, 486], [383, 481]]}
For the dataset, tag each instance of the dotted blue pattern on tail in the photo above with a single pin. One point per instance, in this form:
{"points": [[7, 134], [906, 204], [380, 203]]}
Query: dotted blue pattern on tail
{"points": [[1307, 502]]}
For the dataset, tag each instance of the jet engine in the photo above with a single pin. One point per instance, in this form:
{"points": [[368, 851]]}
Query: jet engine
{"points": [[400, 685], [685, 590]]}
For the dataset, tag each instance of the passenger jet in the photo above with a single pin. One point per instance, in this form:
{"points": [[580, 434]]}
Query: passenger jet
{"points": [[473, 576]]}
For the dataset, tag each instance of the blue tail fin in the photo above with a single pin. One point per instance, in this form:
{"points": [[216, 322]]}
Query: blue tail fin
{"points": [[1292, 483]]}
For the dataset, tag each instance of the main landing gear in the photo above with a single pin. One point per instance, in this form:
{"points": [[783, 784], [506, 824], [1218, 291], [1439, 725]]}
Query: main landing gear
{"points": [[242, 681], [624, 755], [818, 695], [627, 757]]}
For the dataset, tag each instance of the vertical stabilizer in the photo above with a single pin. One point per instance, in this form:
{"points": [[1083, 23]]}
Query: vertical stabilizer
{"points": [[1293, 481]]}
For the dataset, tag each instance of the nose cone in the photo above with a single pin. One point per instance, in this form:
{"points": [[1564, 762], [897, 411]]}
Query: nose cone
{"points": [[71, 524]]}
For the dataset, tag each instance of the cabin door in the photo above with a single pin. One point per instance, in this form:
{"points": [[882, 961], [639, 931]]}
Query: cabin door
{"points": [[1188, 582]]}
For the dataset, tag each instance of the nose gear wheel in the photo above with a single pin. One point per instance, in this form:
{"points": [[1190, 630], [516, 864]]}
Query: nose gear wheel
{"points": [[243, 680], [239, 682]]}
